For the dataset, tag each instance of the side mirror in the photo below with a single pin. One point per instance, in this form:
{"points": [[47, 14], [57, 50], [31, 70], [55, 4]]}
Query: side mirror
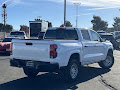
{"points": [[103, 39]]}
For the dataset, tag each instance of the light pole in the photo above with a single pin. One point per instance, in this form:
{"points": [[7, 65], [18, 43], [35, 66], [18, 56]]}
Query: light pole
{"points": [[76, 4], [4, 15], [64, 13]]}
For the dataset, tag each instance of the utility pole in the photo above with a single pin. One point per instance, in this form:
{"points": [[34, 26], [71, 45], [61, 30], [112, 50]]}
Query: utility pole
{"points": [[64, 13], [76, 4], [4, 15]]}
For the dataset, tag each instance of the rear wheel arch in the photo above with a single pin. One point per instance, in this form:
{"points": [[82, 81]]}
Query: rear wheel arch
{"points": [[75, 55], [110, 51]]}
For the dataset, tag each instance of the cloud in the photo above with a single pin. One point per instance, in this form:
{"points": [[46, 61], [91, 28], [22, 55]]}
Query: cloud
{"points": [[4, 2], [36, 12], [12, 3], [86, 14], [103, 8], [96, 4]]}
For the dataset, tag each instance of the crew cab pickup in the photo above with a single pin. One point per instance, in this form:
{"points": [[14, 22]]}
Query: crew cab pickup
{"points": [[63, 50]]}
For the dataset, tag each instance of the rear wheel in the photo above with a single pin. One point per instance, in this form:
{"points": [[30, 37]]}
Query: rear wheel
{"points": [[30, 72], [72, 70], [108, 62]]}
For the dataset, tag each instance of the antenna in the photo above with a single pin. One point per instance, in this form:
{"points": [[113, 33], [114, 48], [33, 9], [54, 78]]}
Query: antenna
{"points": [[4, 14]]}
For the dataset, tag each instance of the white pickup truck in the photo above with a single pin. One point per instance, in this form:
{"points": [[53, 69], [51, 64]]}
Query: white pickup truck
{"points": [[62, 50], [18, 34]]}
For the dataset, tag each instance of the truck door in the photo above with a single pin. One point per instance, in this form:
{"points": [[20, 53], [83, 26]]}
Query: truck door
{"points": [[91, 52], [98, 46]]}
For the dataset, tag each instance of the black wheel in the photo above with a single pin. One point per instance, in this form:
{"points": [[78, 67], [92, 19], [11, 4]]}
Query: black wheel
{"points": [[71, 72], [108, 62], [30, 72]]}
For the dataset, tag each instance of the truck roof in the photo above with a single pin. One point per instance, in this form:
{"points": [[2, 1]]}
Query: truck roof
{"points": [[107, 34], [17, 31], [68, 28]]}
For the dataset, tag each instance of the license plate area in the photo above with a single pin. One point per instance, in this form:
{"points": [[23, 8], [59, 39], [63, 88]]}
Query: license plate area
{"points": [[7, 49], [30, 63]]}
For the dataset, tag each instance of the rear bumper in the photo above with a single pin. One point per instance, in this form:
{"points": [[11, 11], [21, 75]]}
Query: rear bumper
{"points": [[5, 51], [41, 66]]}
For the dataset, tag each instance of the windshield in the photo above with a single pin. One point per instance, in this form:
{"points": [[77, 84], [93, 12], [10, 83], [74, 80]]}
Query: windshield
{"points": [[100, 32], [107, 37], [17, 33], [117, 33], [7, 40], [61, 34]]}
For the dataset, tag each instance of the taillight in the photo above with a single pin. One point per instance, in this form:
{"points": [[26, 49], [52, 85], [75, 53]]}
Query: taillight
{"points": [[53, 52], [38, 37], [11, 48]]}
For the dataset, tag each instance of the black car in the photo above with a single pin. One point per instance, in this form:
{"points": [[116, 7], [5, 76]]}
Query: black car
{"points": [[110, 38], [40, 36]]}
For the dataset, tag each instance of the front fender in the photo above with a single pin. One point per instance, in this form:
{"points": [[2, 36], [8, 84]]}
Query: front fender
{"points": [[108, 47]]}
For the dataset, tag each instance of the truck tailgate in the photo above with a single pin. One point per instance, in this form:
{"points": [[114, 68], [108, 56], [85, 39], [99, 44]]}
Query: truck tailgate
{"points": [[31, 50]]}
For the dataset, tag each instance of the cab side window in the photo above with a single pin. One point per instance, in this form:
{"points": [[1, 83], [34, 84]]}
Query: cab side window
{"points": [[95, 36], [85, 35]]}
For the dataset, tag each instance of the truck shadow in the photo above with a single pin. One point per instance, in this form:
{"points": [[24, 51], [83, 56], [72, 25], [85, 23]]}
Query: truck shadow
{"points": [[4, 54], [50, 81]]}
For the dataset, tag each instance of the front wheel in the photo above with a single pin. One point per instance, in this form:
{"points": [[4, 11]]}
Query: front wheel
{"points": [[108, 62], [30, 72]]}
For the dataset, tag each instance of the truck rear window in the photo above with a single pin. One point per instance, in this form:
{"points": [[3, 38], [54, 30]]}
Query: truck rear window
{"points": [[17, 33], [61, 34]]}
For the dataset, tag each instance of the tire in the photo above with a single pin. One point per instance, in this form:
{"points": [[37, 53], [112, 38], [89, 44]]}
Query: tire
{"points": [[71, 72], [108, 62], [30, 72]]}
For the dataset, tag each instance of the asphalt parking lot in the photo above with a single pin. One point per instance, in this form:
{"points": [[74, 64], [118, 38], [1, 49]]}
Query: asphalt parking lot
{"points": [[92, 77]]}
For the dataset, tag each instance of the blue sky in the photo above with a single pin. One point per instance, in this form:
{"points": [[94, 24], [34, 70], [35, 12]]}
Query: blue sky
{"points": [[20, 12]]}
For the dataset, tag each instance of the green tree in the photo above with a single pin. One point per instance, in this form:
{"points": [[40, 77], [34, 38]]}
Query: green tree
{"points": [[1, 27], [24, 28], [99, 24], [68, 24], [116, 24], [49, 24], [7, 28]]}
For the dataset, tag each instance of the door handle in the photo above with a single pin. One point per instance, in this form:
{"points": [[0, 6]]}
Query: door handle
{"points": [[95, 45], [86, 46], [29, 44]]}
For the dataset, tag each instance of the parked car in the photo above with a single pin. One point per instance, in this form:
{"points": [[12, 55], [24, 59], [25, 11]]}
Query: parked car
{"points": [[40, 36], [101, 32], [5, 46], [117, 34], [62, 50], [110, 38], [19, 34], [112, 33]]}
